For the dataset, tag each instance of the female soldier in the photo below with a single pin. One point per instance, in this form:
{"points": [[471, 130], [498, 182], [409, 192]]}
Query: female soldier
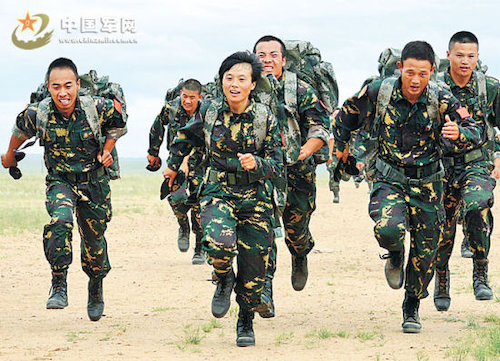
{"points": [[242, 143]]}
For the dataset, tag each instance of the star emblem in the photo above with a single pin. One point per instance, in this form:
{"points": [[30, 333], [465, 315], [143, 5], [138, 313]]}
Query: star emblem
{"points": [[27, 22]]}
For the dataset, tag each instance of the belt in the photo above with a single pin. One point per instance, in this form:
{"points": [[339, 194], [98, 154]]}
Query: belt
{"points": [[464, 158], [429, 173], [230, 178], [85, 176]]}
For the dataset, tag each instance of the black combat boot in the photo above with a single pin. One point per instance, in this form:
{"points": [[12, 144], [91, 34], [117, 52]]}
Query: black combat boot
{"points": [[442, 297], [244, 329], [411, 320], [58, 298], [336, 195], [222, 296], [465, 249], [95, 304], [183, 237], [199, 254], [266, 306], [394, 272], [299, 272], [482, 289]]}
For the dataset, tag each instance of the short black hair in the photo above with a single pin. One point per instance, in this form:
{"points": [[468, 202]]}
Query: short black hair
{"points": [[420, 50], [193, 85], [61, 63], [463, 37], [271, 38], [242, 57]]}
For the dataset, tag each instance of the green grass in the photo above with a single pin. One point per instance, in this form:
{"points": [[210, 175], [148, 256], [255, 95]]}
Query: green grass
{"points": [[75, 336], [284, 338], [192, 337], [481, 343], [369, 335], [208, 327], [162, 309]]}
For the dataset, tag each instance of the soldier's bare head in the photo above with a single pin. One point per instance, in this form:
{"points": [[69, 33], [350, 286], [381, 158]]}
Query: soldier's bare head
{"points": [[463, 54], [239, 73], [272, 53], [63, 84], [416, 67], [190, 95]]}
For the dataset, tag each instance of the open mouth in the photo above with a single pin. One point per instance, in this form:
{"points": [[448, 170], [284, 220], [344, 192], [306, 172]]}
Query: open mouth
{"points": [[65, 101]]}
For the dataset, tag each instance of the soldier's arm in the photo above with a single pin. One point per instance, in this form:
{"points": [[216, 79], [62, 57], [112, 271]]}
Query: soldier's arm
{"points": [[112, 117], [469, 132], [188, 137], [157, 133], [314, 118], [271, 163], [24, 128], [351, 116]]}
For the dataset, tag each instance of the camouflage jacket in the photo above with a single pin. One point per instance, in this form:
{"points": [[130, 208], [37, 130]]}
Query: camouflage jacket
{"points": [[405, 138], [310, 116], [468, 97], [70, 145], [231, 134]]}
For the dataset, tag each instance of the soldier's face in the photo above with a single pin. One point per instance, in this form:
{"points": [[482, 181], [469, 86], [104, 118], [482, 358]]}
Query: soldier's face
{"points": [[190, 100], [463, 59], [415, 75], [63, 87], [237, 84], [270, 55]]}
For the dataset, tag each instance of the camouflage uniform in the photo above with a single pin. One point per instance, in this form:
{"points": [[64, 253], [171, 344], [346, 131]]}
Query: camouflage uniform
{"points": [[236, 205], [313, 122], [468, 181], [76, 181], [407, 190], [175, 117]]}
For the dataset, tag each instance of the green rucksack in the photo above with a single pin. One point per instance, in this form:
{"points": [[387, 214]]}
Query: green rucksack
{"points": [[90, 85], [304, 62], [389, 72]]}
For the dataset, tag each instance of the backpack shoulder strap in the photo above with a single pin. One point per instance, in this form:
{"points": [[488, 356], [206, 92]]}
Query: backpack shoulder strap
{"points": [[210, 118], [481, 91], [290, 89], [42, 118], [383, 99], [260, 125], [174, 108], [89, 107], [433, 98]]}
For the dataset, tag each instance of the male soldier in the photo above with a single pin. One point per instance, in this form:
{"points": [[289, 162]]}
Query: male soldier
{"points": [[312, 133], [467, 178], [406, 115], [77, 180], [175, 115]]}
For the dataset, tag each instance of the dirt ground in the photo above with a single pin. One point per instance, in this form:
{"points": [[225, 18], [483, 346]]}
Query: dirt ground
{"points": [[158, 303]]}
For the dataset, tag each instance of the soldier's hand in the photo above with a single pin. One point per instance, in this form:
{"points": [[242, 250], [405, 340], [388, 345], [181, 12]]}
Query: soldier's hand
{"points": [[342, 155], [360, 166], [152, 160], [496, 171], [450, 129], [170, 174], [9, 159], [105, 158], [247, 161]]}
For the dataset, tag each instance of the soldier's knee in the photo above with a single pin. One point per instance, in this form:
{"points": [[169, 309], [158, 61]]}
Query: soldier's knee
{"points": [[388, 235]]}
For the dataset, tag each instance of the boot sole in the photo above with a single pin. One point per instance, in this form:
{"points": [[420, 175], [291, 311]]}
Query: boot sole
{"points": [[56, 306], [245, 341], [411, 327], [484, 298], [198, 261]]}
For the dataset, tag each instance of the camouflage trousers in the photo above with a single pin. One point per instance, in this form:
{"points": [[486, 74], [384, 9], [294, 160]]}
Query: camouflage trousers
{"points": [[181, 205], [472, 187], [300, 204], [91, 203], [237, 223], [395, 207]]}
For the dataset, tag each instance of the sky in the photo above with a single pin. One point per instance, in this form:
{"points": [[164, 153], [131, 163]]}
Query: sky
{"points": [[169, 40]]}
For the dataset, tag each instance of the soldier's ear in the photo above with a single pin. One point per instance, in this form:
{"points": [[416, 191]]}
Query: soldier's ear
{"points": [[400, 66], [78, 84], [254, 83]]}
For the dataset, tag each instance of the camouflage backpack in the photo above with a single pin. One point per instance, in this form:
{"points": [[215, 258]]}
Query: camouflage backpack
{"points": [[304, 62], [90, 85], [389, 72]]}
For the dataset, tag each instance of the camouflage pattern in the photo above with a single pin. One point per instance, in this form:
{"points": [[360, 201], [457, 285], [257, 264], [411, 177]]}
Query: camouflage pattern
{"points": [[174, 116], [468, 184], [407, 144], [76, 182], [236, 217]]}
